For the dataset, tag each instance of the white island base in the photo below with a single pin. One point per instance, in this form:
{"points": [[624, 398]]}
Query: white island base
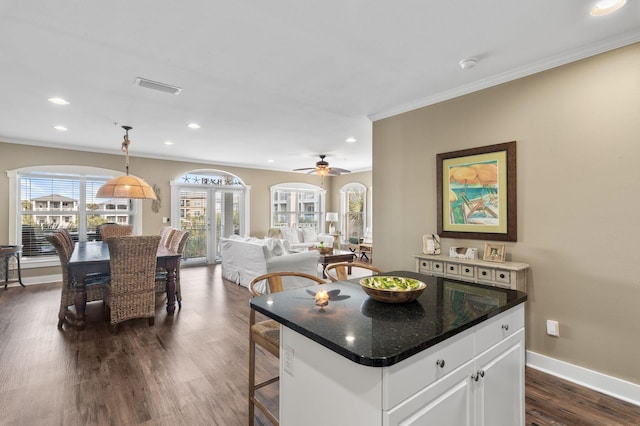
{"points": [[473, 378]]}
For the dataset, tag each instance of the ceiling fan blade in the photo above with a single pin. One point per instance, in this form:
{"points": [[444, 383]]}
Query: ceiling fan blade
{"points": [[338, 170], [306, 168]]}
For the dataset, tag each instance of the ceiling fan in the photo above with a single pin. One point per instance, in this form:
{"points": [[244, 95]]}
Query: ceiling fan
{"points": [[322, 169]]}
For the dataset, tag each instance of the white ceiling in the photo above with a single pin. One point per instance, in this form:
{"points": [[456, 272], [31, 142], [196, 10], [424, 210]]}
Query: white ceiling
{"points": [[281, 80]]}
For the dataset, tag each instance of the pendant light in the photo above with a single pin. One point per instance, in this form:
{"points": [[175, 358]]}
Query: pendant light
{"points": [[127, 186]]}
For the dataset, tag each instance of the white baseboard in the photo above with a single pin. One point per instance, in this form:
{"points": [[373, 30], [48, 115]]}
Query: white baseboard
{"points": [[40, 279], [609, 385]]}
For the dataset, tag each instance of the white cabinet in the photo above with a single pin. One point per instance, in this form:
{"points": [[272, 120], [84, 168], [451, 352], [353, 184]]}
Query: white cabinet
{"points": [[507, 275], [487, 390], [447, 402], [499, 390], [475, 378]]}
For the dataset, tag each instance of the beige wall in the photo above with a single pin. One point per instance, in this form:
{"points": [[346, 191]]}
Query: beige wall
{"points": [[577, 129], [160, 172]]}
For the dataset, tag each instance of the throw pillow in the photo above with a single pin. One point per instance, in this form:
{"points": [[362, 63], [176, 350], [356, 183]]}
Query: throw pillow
{"points": [[290, 235], [310, 235]]}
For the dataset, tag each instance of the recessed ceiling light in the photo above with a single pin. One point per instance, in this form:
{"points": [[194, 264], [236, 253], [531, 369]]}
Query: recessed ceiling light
{"points": [[60, 128], [351, 140], [168, 143], [269, 161], [466, 64], [193, 125], [58, 101], [604, 7]]}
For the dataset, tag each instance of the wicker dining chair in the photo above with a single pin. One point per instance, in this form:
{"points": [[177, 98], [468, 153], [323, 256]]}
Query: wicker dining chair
{"points": [[108, 230], [339, 271], [131, 293], [267, 335], [95, 283], [177, 243], [165, 233]]}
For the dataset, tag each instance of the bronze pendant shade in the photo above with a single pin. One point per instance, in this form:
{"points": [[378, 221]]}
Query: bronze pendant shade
{"points": [[127, 186]]}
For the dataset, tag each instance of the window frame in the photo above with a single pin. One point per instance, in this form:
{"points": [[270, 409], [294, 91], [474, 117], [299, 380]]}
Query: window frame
{"points": [[71, 172], [344, 205], [298, 187]]}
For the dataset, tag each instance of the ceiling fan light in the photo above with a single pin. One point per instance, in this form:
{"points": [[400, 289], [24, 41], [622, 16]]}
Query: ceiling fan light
{"points": [[605, 7]]}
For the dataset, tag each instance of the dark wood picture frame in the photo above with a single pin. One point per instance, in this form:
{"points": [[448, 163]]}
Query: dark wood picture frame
{"points": [[503, 155]]}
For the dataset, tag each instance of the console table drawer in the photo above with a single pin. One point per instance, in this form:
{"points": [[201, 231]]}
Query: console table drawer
{"points": [[485, 274], [503, 277], [466, 271], [437, 267], [424, 266], [452, 268]]}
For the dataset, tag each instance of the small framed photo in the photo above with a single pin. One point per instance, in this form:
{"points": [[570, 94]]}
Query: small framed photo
{"points": [[494, 252]]}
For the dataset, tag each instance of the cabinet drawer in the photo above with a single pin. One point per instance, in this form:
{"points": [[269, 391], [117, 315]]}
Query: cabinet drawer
{"points": [[447, 401], [498, 328], [437, 267], [451, 268], [485, 274], [424, 266], [404, 379], [502, 276], [466, 271]]}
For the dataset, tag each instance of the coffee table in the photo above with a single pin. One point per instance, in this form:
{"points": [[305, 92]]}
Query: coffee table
{"points": [[335, 257]]}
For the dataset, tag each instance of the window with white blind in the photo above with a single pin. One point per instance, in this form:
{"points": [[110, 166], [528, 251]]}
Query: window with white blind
{"points": [[62, 198]]}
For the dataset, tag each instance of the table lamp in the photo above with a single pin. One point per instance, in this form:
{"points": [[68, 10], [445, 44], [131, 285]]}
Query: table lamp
{"points": [[331, 218]]}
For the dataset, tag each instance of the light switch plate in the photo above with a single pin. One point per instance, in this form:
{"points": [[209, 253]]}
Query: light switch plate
{"points": [[553, 329]]}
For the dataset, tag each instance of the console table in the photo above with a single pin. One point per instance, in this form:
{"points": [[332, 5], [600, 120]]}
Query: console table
{"points": [[511, 275], [6, 252]]}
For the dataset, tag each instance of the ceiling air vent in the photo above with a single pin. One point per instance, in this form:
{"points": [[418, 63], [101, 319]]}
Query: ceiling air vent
{"points": [[155, 85]]}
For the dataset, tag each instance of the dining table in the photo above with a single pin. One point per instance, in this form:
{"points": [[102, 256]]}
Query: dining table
{"points": [[91, 257]]}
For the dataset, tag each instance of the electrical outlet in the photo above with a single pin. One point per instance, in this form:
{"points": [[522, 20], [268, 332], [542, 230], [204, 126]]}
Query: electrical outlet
{"points": [[553, 328]]}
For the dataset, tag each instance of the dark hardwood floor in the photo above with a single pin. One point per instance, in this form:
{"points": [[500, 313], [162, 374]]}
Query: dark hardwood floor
{"points": [[189, 369]]}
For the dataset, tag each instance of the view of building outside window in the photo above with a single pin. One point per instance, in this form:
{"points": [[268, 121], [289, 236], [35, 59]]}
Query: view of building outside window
{"points": [[50, 202], [299, 208]]}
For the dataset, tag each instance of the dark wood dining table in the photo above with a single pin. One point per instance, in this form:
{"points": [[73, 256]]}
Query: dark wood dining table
{"points": [[93, 257]]}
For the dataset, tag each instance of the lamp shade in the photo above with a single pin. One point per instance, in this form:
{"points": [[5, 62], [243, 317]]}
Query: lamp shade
{"points": [[126, 186], [332, 217]]}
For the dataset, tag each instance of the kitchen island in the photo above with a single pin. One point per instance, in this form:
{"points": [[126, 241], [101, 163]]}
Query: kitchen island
{"points": [[455, 356]]}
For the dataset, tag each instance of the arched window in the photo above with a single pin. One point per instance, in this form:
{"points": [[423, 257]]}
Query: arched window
{"points": [[299, 205], [353, 210]]}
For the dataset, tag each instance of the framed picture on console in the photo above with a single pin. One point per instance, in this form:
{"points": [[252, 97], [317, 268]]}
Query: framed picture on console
{"points": [[476, 193], [494, 252]]}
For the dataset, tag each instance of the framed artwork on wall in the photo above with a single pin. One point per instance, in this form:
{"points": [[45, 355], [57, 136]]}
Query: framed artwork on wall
{"points": [[476, 192]]}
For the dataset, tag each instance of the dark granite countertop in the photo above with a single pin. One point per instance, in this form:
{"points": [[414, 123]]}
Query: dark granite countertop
{"points": [[381, 334]]}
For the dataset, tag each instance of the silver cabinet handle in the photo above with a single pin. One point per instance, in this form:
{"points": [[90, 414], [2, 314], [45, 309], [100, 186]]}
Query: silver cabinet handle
{"points": [[440, 363]]}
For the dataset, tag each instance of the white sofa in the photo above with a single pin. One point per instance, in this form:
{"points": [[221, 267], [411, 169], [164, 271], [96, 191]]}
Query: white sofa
{"points": [[243, 259], [301, 238]]}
